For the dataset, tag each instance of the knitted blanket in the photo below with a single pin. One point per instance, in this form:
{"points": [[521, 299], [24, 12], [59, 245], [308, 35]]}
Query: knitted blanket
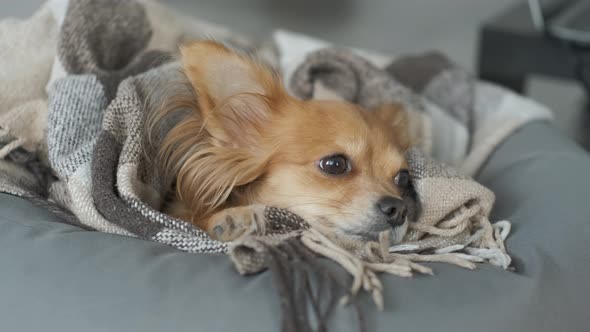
{"points": [[80, 79]]}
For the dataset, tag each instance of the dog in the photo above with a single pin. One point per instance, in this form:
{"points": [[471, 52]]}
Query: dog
{"points": [[247, 143]]}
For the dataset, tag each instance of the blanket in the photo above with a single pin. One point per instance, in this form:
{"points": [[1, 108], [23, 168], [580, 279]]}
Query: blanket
{"points": [[80, 79]]}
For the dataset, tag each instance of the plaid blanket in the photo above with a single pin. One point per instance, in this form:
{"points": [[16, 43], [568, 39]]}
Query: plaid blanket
{"points": [[84, 75]]}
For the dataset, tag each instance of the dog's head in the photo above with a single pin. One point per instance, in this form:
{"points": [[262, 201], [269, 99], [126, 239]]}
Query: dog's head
{"points": [[339, 167]]}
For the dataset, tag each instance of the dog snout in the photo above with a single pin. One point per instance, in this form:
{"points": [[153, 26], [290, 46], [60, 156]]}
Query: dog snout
{"points": [[393, 209]]}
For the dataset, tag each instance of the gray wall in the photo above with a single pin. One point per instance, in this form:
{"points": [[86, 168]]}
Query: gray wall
{"points": [[392, 26]]}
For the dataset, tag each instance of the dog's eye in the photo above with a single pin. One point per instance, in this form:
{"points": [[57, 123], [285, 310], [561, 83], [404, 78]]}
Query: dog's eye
{"points": [[334, 165], [402, 179]]}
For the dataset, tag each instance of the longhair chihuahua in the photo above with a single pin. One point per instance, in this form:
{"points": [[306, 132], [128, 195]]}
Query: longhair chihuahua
{"points": [[247, 143]]}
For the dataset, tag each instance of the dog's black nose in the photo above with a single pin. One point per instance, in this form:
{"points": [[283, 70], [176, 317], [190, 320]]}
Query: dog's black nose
{"points": [[394, 210]]}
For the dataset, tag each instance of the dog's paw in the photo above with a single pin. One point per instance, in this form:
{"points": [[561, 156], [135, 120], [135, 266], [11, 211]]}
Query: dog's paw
{"points": [[230, 224]]}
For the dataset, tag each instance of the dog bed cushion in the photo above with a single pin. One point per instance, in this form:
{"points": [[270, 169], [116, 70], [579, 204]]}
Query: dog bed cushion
{"points": [[56, 277]]}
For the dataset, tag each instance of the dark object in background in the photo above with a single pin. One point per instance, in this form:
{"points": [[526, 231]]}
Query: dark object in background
{"points": [[551, 38], [571, 25]]}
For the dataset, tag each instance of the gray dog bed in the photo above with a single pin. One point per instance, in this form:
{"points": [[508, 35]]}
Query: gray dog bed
{"points": [[56, 277]]}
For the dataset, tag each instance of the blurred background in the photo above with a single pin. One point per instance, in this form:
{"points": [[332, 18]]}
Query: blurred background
{"points": [[394, 27]]}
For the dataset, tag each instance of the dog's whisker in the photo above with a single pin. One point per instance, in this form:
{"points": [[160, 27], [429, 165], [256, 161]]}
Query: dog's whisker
{"points": [[313, 203], [343, 193], [341, 207], [318, 197], [337, 187], [340, 213], [309, 203]]}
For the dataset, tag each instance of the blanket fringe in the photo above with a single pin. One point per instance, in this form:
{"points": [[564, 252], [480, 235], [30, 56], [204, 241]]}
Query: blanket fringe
{"points": [[449, 246], [293, 266], [487, 243], [363, 272]]}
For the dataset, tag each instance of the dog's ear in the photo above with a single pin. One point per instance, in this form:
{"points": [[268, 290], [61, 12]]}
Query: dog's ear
{"points": [[235, 94]]}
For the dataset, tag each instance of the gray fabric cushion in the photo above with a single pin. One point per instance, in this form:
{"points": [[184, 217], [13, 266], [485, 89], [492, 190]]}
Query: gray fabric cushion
{"points": [[55, 277]]}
